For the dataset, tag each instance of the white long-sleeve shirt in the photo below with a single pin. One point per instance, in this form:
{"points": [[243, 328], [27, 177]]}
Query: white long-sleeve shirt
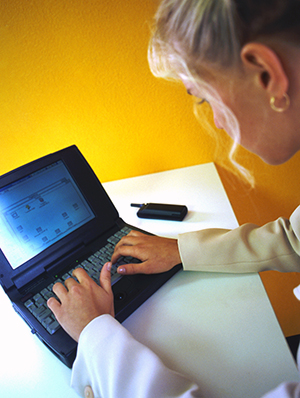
{"points": [[114, 365]]}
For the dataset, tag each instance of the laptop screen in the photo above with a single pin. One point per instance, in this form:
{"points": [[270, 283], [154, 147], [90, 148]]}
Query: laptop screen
{"points": [[39, 210]]}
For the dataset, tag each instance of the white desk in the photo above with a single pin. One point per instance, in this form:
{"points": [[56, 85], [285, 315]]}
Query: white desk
{"points": [[219, 329]]}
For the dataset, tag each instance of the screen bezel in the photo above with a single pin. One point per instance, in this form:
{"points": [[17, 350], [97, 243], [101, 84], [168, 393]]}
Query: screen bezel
{"points": [[94, 194]]}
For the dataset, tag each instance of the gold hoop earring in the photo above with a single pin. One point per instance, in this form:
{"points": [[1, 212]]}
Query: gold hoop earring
{"points": [[284, 108]]}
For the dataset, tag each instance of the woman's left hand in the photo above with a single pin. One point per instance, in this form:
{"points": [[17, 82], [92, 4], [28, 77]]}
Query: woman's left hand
{"points": [[82, 301]]}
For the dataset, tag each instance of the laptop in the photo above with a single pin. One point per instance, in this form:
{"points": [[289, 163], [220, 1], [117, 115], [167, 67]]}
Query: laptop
{"points": [[55, 216]]}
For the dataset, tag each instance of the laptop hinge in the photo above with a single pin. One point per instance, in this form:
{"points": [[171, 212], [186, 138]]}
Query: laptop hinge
{"points": [[28, 277], [38, 273], [61, 263]]}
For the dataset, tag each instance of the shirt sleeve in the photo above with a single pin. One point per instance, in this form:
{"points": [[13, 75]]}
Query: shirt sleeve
{"points": [[113, 364], [248, 248]]}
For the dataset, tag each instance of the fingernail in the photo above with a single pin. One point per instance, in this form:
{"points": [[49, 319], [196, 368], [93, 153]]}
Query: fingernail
{"points": [[297, 292], [122, 270]]}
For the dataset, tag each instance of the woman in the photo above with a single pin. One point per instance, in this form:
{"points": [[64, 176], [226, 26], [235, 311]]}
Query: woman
{"points": [[242, 57]]}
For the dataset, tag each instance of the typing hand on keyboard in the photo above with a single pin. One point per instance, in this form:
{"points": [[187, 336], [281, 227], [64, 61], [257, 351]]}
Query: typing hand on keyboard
{"points": [[93, 264], [82, 301], [157, 254]]}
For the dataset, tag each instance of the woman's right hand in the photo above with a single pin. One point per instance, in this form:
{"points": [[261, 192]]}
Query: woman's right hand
{"points": [[157, 254]]}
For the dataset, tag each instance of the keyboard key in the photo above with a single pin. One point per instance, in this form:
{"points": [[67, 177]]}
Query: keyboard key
{"points": [[44, 314], [53, 327], [47, 321]]}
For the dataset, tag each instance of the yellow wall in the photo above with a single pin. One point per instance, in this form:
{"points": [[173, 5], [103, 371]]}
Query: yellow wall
{"points": [[76, 72]]}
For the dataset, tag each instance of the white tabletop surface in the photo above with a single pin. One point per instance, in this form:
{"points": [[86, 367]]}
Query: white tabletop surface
{"points": [[219, 329]]}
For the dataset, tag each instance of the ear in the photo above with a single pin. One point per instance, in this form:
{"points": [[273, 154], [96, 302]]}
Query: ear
{"points": [[267, 67]]}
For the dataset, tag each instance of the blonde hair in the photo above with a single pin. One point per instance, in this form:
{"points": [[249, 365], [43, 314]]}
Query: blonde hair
{"points": [[191, 33]]}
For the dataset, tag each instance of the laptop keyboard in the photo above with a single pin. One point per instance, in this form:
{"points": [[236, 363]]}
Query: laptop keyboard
{"points": [[37, 305]]}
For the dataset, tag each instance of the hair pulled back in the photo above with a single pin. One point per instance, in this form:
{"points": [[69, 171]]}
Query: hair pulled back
{"points": [[188, 34], [214, 31]]}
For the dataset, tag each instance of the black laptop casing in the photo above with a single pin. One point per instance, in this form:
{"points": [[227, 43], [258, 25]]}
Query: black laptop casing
{"points": [[26, 280]]}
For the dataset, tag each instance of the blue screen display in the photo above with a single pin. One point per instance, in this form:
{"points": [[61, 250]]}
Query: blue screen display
{"points": [[39, 210]]}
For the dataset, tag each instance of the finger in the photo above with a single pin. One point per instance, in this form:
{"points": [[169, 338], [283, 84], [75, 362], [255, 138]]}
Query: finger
{"points": [[59, 289], [125, 241], [81, 275], [69, 283], [132, 269], [105, 277], [115, 256], [124, 251], [130, 239], [136, 249], [136, 233], [53, 305]]}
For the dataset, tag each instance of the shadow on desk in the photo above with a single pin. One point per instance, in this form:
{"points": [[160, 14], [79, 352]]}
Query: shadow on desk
{"points": [[197, 216]]}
